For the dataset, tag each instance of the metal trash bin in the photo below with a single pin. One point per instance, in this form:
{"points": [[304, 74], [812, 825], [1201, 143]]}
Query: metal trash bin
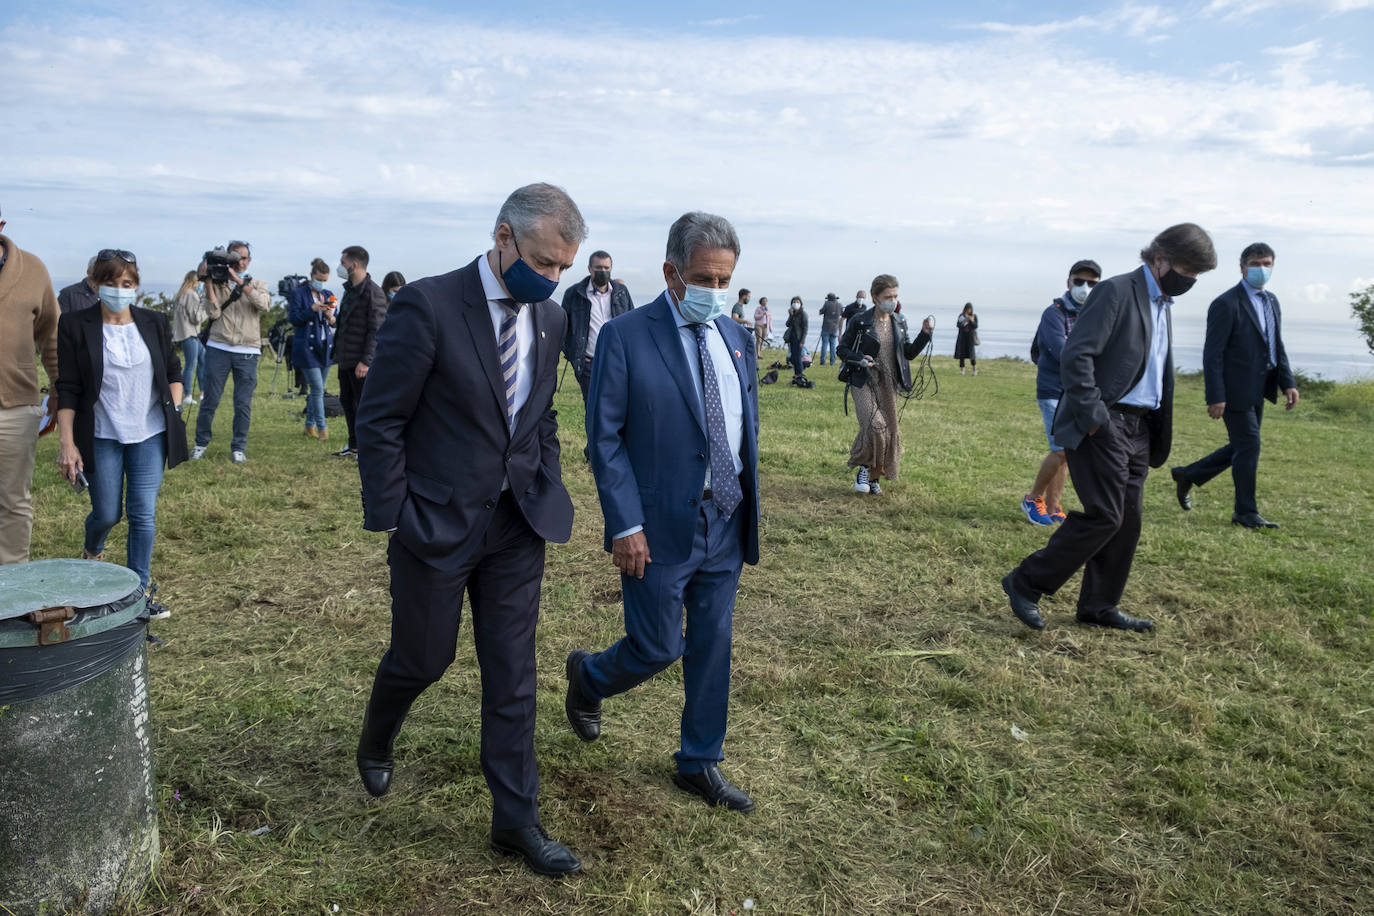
{"points": [[78, 826]]}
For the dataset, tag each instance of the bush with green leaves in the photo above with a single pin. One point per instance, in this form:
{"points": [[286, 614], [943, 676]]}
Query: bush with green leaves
{"points": [[1362, 307]]}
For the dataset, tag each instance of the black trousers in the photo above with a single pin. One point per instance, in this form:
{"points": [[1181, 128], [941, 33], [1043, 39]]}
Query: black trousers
{"points": [[1108, 472], [350, 393], [583, 373], [795, 354], [1240, 454], [502, 582]]}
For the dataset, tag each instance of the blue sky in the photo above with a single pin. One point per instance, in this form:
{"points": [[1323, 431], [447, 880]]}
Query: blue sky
{"points": [[973, 149]]}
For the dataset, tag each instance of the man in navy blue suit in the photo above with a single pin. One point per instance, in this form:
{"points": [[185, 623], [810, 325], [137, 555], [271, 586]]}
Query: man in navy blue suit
{"points": [[458, 452], [1243, 363], [672, 430]]}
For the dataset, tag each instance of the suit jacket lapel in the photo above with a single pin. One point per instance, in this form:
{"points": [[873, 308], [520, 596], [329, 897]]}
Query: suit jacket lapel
{"points": [[478, 317], [664, 332], [1246, 306]]}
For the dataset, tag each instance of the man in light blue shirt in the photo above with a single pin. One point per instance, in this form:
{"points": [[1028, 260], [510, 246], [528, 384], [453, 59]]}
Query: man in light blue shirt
{"points": [[1115, 421]]}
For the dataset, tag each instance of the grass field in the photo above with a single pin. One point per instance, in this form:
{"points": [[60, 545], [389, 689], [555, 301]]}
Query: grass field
{"points": [[1220, 765]]}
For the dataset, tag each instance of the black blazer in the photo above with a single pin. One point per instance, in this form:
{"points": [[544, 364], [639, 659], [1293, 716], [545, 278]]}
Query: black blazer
{"points": [[433, 441], [1235, 358], [81, 370], [579, 309], [859, 337], [1105, 356]]}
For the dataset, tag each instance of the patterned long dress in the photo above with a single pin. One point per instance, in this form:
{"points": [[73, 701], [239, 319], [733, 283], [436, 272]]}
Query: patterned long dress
{"points": [[878, 446]]}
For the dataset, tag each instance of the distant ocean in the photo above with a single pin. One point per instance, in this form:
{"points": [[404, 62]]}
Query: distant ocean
{"points": [[1330, 348]]}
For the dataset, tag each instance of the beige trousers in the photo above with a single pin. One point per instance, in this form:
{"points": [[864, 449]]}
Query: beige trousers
{"points": [[18, 444]]}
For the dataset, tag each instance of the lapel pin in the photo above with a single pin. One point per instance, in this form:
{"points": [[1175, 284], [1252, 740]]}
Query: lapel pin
{"points": [[737, 354], [541, 333]]}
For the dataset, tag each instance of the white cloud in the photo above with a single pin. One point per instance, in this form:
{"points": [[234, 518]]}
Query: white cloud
{"points": [[1241, 9], [1316, 292]]}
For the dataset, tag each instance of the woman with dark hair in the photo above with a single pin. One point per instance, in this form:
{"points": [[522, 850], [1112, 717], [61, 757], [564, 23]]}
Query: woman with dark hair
{"points": [[966, 344], [795, 337], [311, 310], [119, 410], [877, 353], [392, 282]]}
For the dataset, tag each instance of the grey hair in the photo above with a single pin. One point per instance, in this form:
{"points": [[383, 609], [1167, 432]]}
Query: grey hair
{"points": [[696, 230], [90, 265], [526, 206]]}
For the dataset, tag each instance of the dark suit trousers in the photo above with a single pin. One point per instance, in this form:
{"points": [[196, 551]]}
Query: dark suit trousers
{"points": [[584, 377], [705, 585], [1108, 472], [350, 393], [502, 581], [1240, 454]]}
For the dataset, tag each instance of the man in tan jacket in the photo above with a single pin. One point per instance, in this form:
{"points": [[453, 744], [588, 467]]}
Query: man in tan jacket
{"points": [[28, 325], [234, 346]]}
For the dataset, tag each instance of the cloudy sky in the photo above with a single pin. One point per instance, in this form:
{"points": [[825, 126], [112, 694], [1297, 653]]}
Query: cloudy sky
{"points": [[974, 149]]}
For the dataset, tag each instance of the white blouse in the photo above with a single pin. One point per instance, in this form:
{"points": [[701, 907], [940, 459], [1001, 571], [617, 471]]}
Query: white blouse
{"points": [[128, 410]]}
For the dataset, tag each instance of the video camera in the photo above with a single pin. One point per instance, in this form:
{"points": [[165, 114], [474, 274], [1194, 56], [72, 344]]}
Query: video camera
{"points": [[287, 285], [218, 263]]}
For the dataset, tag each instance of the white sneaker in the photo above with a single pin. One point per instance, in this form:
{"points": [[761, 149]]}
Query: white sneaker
{"points": [[861, 481], [198, 453], [157, 610], [188, 400], [238, 457]]}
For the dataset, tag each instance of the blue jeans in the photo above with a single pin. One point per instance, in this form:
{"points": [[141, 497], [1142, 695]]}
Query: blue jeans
{"points": [[314, 400], [1047, 408], [139, 465], [192, 354], [827, 346], [218, 365]]}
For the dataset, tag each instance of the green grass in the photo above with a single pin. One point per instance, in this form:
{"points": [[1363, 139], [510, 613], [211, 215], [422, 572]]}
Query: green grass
{"points": [[1219, 765]]}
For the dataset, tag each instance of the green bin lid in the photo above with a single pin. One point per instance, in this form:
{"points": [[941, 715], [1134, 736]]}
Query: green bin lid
{"points": [[26, 587]]}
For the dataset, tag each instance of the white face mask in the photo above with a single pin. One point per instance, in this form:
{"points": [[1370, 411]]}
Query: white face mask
{"points": [[342, 272], [887, 306], [1079, 293]]}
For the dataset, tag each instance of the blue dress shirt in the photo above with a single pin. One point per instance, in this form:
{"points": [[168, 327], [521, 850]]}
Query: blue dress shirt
{"points": [[1149, 391]]}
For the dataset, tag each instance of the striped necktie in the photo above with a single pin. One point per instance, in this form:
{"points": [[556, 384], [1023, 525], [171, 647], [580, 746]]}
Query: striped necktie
{"points": [[508, 349]]}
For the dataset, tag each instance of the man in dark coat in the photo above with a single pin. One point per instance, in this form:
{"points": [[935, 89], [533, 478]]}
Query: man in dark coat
{"points": [[459, 459], [361, 313], [1243, 363], [590, 303], [80, 295], [1115, 421], [830, 311]]}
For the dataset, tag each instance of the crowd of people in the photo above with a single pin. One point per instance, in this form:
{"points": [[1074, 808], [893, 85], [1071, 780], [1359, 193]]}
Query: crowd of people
{"points": [[466, 365]]}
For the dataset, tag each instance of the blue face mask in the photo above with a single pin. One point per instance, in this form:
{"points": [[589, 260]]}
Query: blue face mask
{"points": [[391, 296], [317, 285], [523, 282], [200, 289], [117, 299], [701, 303], [1258, 276]]}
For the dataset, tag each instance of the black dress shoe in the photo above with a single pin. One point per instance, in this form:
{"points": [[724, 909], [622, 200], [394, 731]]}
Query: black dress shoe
{"points": [[1025, 609], [711, 785], [541, 852], [584, 715], [386, 711], [1185, 499], [1253, 520], [1116, 620]]}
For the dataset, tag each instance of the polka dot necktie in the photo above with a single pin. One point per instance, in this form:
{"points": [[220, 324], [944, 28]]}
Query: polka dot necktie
{"points": [[1269, 335], [725, 488]]}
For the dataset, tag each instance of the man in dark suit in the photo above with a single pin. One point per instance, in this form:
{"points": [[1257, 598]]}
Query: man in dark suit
{"points": [[458, 453], [1243, 362], [672, 422], [361, 313], [1115, 421], [590, 303]]}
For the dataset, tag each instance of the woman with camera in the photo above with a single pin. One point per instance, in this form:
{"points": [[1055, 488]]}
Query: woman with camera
{"points": [[877, 353], [119, 410], [966, 344], [311, 310]]}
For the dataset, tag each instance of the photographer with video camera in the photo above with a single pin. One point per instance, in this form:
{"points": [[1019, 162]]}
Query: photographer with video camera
{"points": [[233, 301]]}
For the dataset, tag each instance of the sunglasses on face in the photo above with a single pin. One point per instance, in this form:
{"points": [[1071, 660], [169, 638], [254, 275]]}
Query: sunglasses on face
{"points": [[1079, 281], [109, 254]]}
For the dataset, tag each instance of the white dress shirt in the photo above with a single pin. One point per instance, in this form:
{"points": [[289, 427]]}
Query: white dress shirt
{"points": [[524, 335], [600, 313]]}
